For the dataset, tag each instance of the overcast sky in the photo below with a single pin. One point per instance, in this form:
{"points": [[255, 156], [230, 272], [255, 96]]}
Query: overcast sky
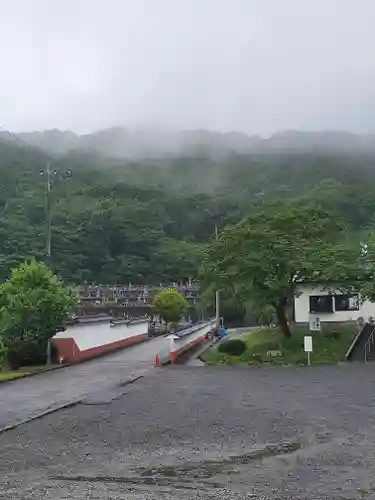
{"points": [[257, 66]]}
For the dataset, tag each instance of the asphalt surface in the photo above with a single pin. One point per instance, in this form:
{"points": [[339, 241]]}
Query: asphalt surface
{"points": [[213, 433], [29, 397]]}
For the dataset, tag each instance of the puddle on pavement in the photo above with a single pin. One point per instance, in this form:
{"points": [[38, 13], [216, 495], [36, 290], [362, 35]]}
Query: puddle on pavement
{"points": [[192, 475], [210, 468], [267, 451]]}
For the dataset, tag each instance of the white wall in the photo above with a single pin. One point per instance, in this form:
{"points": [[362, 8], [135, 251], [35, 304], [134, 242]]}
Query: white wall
{"points": [[302, 307], [88, 336]]}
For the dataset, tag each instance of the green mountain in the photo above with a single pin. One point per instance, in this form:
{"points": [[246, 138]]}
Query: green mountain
{"points": [[144, 219], [120, 142]]}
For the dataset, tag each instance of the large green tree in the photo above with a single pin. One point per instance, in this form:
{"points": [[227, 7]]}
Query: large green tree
{"points": [[267, 255], [34, 304]]}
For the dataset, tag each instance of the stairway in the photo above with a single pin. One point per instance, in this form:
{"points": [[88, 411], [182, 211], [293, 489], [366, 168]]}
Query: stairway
{"points": [[357, 350]]}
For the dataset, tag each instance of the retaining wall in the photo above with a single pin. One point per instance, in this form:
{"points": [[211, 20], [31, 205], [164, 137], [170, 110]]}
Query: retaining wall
{"points": [[184, 340], [90, 339]]}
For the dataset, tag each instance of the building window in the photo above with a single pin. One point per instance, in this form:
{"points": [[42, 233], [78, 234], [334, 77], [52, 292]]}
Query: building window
{"points": [[346, 303], [321, 304]]}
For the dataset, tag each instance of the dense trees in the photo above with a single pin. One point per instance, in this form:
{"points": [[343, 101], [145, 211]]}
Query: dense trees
{"points": [[146, 221]]}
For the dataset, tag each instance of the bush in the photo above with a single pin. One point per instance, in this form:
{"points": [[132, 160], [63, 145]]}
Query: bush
{"points": [[234, 347], [32, 353]]}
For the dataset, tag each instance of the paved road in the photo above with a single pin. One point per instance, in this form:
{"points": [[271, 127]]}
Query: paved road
{"points": [[291, 433], [29, 397]]}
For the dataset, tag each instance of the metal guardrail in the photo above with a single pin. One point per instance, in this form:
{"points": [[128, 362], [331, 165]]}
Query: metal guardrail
{"points": [[369, 344], [164, 354], [354, 343], [193, 328]]}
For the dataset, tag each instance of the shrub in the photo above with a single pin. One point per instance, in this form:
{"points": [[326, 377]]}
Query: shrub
{"points": [[234, 347], [170, 304], [25, 353]]}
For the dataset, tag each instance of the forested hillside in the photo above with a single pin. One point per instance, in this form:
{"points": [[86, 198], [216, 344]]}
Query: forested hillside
{"points": [[117, 220]]}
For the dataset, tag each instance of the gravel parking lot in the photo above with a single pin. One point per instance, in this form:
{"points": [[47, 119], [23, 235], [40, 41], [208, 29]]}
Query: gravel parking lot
{"points": [[231, 433]]}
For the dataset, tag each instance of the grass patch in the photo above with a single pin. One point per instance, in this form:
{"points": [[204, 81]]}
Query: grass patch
{"points": [[329, 346], [5, 376], [24, 371]]}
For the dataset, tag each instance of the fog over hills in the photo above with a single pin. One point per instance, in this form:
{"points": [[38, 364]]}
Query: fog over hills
{"points": [[121, 142]]}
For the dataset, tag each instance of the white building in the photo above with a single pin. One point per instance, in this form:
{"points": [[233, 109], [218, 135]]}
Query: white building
{"points": [[329, 305]]}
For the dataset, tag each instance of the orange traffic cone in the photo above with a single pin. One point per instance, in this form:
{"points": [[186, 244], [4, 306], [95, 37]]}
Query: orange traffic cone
{"points": [[157, 361]]}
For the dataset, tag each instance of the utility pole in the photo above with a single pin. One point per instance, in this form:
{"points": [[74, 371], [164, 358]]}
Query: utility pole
{"points": [[48, 237], [48, 210], [217, 294], [48, 200]]}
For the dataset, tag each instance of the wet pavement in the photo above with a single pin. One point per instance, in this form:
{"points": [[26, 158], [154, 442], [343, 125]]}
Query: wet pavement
{"points": [[29, 397], [213, 433]]}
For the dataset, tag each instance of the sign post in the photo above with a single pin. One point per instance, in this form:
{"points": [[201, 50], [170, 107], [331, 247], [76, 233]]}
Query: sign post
{"points": [[308, 348]]}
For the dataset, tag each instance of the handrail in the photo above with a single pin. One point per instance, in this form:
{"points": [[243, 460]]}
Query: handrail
{"points": [[369, 344], [353, 344], [192, 328]]}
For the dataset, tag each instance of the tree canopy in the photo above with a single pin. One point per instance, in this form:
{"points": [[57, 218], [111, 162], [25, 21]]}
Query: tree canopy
{"points": [[147, 220], [170, 304], [34, 303], [269, 253]]}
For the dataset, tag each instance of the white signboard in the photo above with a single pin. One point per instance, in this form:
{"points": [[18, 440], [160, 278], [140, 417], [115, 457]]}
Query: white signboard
{"points": [[314, 324], [308, 348], [308, 344]]}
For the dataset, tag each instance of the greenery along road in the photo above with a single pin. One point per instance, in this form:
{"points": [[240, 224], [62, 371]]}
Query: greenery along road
{"points": [[271, 347], [143, 221]]}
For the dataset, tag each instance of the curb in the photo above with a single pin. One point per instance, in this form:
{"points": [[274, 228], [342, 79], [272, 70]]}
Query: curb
{"points": [[58, 407]]}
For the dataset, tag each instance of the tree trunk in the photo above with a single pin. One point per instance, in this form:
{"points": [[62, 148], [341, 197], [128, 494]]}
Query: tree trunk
{"points": [[281, 317]]}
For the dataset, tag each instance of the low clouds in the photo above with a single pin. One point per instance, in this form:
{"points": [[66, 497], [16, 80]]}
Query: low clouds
{"points": [[253, 65]]}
